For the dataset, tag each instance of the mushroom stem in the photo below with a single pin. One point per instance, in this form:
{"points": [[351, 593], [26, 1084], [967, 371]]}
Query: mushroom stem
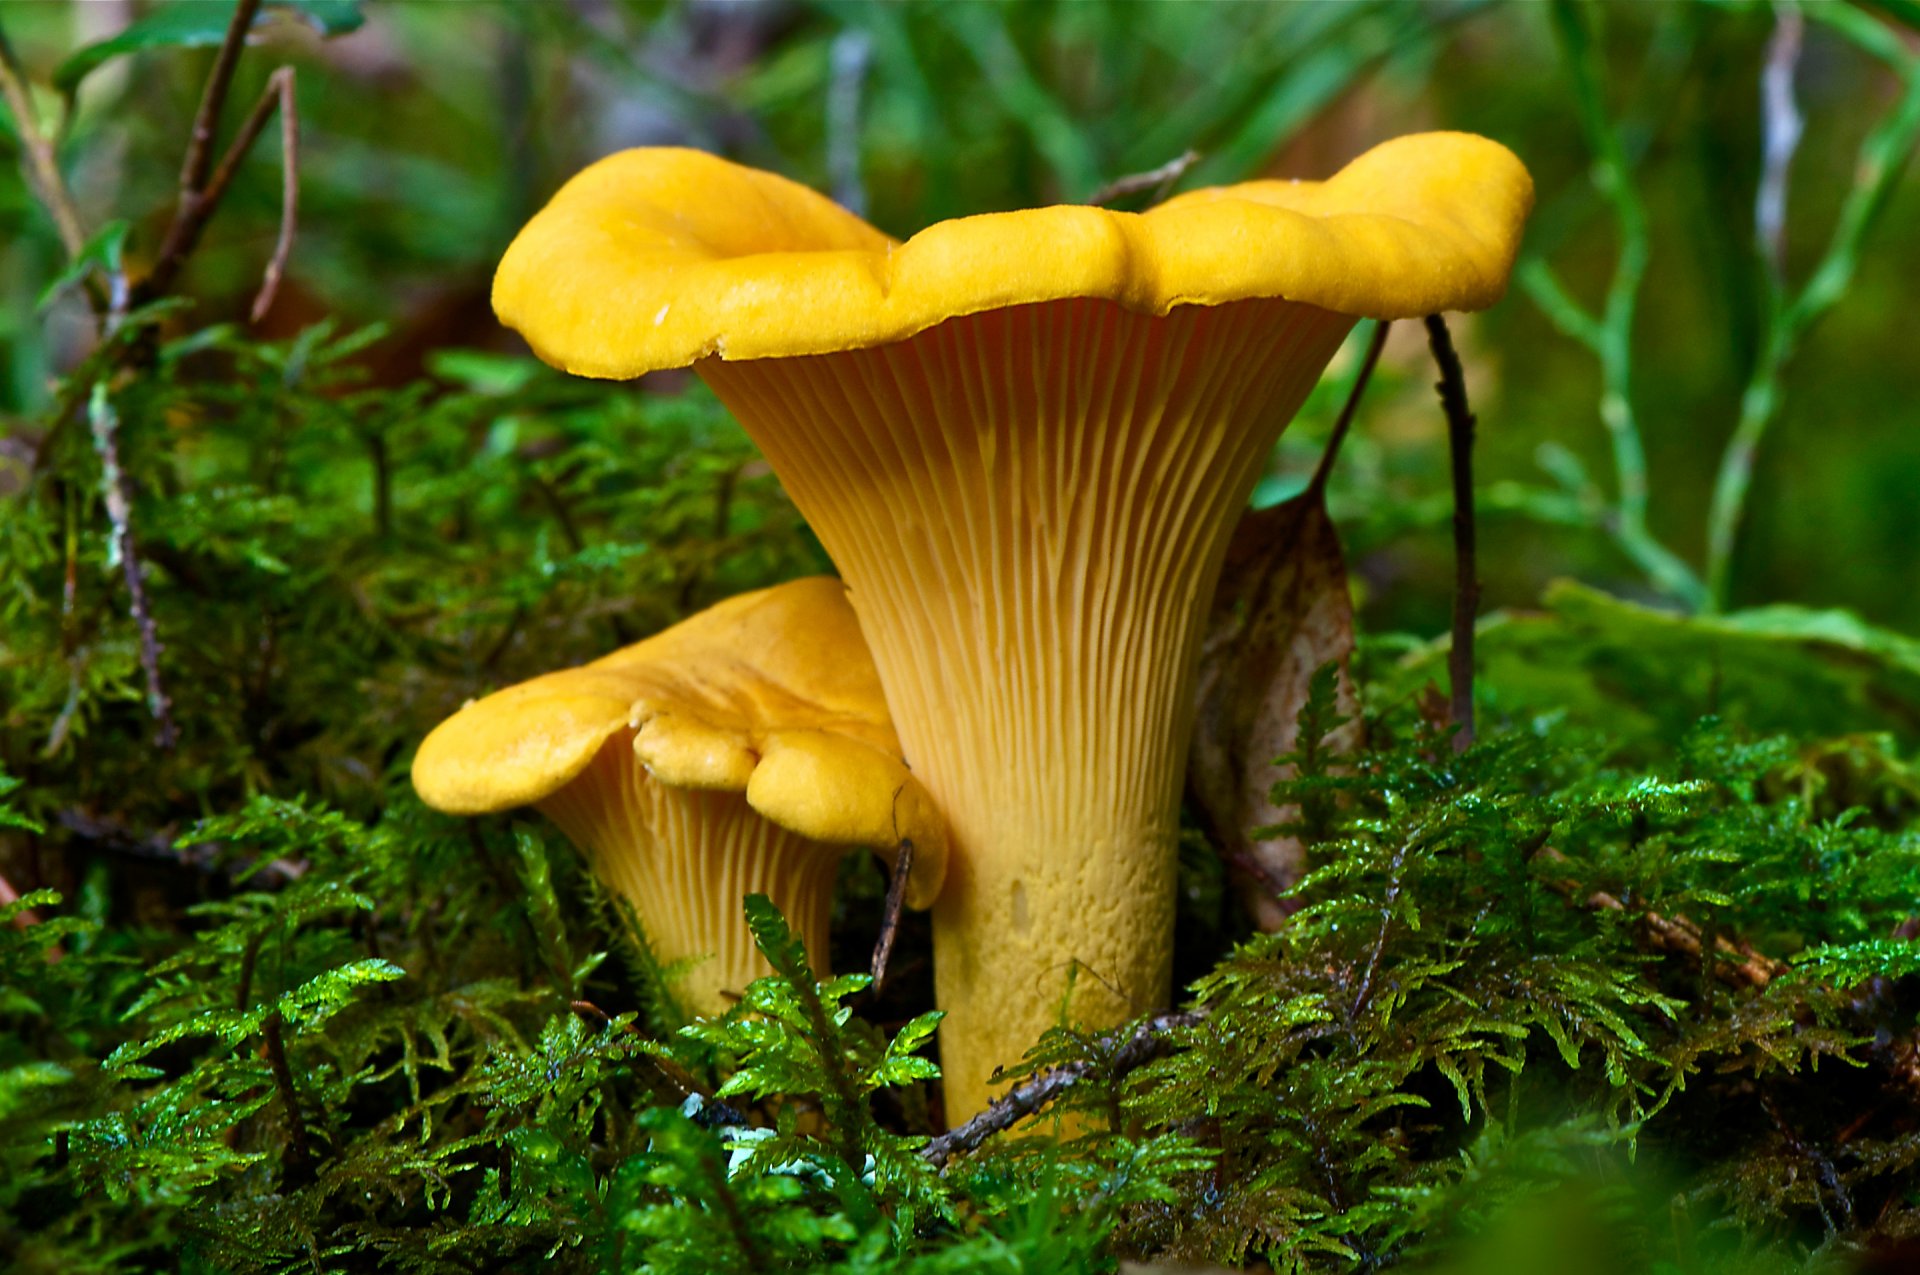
{"points": [[1030, 506], [685, 858]]}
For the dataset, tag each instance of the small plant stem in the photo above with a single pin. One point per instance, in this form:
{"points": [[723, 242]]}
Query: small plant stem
{"points": [[119, 501], [1781, 126], [249, 961], [890, 913], [1146, 1042], [299, 1150], [38, 159], [1466, 578], [1883, 156], [280, 89], [197, 205], [1361, 379], [1363, 995], [852, 1119], [382, 484], [1610, 336], [199, 157], [1758, 403], [718, 1189]]}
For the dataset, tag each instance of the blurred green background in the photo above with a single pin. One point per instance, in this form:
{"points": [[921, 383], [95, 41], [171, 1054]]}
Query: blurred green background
{"points": [[434, 129]]}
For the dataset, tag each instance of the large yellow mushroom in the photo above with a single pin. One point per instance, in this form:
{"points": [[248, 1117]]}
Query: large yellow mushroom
{"points": [[738, 752], [1024, 439]]}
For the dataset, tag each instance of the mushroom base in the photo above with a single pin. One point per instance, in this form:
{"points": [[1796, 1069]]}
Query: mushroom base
{"points": [[1030, 506], [685, 858]]}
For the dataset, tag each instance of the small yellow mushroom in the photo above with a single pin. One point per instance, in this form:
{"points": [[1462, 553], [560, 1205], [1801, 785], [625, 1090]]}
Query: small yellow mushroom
{"points": [[741, 751]]}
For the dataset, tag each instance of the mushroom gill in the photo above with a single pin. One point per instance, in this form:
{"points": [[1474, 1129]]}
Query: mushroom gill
{"points": [[741, 751], [1024, 439]]}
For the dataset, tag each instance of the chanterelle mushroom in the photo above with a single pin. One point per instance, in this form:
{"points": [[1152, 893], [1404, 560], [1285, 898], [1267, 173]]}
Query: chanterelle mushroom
{"points": [[740, 751], [1024, 439]]}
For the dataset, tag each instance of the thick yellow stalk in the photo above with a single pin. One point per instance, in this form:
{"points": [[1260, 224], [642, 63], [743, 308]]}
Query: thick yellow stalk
{"points": [[1029, 506]]}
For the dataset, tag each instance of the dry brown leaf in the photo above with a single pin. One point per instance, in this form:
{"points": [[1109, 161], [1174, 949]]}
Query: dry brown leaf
{"points": [[1281, 611]]}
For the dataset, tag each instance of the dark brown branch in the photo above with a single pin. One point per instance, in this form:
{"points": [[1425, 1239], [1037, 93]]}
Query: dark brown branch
{"points": [[299, 1150], [1466, 578], [119, 498], [280, 86], [206, 856], [1156, 179], [1146, 1043], [193, 169], [1347, 410], [200, 194], [249, 961], [890, 914]]}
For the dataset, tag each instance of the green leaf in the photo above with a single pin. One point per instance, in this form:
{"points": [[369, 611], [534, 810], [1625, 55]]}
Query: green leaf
{"points": [[191, 25], [104, 252]]}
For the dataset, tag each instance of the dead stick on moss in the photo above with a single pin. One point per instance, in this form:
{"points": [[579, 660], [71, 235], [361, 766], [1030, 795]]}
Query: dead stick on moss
{"points": [[1146, 1043], [1466, 578], [1156, 179], [119, 499]]}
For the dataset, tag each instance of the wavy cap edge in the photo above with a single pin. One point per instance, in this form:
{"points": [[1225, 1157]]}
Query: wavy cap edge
{"points": [[658, 258]]}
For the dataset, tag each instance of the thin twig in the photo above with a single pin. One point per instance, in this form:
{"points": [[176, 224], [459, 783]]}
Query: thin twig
{"points": [[199, 157], [1146, 1043], [249, 961], [890, 914], [1363, 995], [1159, 179], [1340, 427], [183, 234], [37, 156], [299, 1150], [119, 499], [201, 193], [1466, 578], [208, 857], [280, 85], [1781, 126]]}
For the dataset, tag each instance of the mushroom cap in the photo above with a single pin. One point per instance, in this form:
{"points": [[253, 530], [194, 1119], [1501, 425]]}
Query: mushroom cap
{"points": [[770, 693], [656, 258]]}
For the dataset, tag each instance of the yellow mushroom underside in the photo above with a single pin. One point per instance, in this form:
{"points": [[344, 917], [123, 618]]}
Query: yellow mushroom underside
{"points": [[1030, 506], [741, 751], [685, 858]]}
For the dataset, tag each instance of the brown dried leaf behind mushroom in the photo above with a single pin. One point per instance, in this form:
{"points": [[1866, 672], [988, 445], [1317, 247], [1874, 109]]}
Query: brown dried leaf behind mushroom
{"points": [[1281, 612]]}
